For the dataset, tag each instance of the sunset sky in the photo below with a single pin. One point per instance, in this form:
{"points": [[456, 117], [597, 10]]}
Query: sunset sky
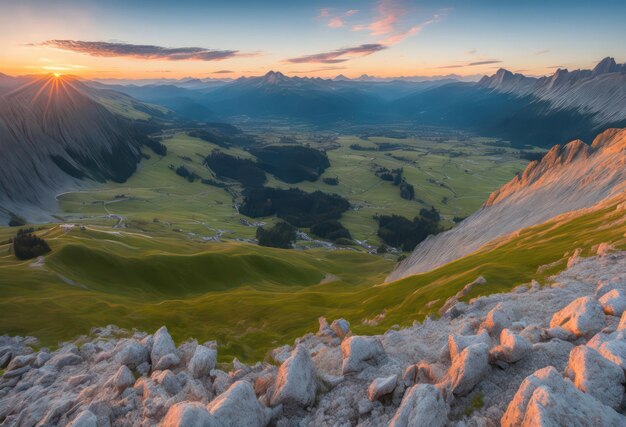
{"points": [[174, 39]]}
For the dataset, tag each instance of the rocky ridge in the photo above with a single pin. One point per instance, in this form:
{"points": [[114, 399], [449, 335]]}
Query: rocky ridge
{"points": [[568, 178], [539, 355]]}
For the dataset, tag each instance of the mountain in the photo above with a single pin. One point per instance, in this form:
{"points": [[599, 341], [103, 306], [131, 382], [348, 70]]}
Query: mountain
{"points": [[568, 178], [599, 92], [55, 136]]}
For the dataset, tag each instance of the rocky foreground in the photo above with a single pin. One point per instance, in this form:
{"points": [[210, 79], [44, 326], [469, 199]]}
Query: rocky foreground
{"points": [[549, 356]]}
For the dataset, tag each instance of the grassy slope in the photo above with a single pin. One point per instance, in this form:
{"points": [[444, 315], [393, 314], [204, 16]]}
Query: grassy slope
{"points": [[252, 299]]}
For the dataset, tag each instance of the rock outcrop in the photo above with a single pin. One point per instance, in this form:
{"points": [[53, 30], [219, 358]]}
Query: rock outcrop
{"points": [[453, 371]]}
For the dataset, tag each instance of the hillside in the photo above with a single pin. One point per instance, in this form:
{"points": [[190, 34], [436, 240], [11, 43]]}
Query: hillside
{"points": [[570, 177], [59, 138]]}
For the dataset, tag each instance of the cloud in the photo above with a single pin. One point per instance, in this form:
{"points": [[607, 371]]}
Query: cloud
{"points": [[398, 37], [335, 22], [339, 55], [222, 72], [488, 62], [351, 12], [472, 64], [149, 52], [317, 70], [541, 52], [324, 12]]}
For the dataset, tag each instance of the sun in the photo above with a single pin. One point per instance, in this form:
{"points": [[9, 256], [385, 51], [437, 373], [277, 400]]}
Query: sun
{"points": [[57, 75]]}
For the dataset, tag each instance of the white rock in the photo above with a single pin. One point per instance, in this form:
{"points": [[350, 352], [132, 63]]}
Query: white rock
{"points": [[613, 350], [131, 353], [422, 406], [512, 347], [458, 343], [188, 414], [614, 302], [84, 419], [163, 348], [123, 378], [498, 318], [622, 322], [359, 352], [381, 387], [341, 327], [596, 375], [605, 286], [167, 380], [202, 362], [582, 317], [545, 398], [295, 382], [469, 368], [238, 406]]}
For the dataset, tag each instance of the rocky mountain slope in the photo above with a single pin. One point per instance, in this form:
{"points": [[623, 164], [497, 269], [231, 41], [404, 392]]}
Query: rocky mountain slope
{"points": [[567, 178], [55, 137], [540, 355], [600, 92]]}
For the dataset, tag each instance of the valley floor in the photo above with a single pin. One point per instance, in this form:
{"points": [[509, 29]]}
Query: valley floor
{"points": [[538, 355]]}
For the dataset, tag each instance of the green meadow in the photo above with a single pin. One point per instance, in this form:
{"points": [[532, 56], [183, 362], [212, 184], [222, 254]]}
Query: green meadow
{"points": [[251, 299]]}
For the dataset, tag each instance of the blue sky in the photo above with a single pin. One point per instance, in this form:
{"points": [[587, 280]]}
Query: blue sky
{"points": [[325, 38]]}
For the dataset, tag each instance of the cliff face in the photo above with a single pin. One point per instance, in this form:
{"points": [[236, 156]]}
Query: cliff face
{"points": [[569, 177], [55, 138]]}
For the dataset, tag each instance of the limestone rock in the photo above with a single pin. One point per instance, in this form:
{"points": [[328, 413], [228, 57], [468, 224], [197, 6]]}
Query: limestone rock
{"points": [[613, 350], [545, 398], [123, 378], [614, 302], [622, 322], [167, 380], [341, 327], [500, 317], [295, 383], [381, 387], [582, 317], [512, 347], [596, 375], [163, 353], [458, 343], [188, 414], [131, 353], [469, 368], [238, 406], [84, 419], [202, 362], [423, 405], [359, 352]]}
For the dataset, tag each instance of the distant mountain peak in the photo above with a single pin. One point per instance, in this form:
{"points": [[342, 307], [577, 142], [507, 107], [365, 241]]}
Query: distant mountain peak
{"points": [[341, 78], [607, 65], [274, 77]]}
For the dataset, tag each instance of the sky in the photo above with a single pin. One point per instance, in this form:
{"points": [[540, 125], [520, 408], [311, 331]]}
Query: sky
{"points": [[135, 39]]}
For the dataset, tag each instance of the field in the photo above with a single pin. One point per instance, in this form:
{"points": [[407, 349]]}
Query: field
{"points": [[252, 299], [455, 176]]}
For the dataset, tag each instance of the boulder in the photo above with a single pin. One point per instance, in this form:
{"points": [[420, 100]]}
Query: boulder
{"points": [[163, 353], [360, 352], [131, 353], [622, 323], [202, 362], [498, 318], [582, 317], [613, 350], [123, 378], [21, 361], [168, 381], [511, 349], [468, 369], [423, 405], [605, 286], [545, 398], [423, 372], [458, 343], [295, 383], [381, 387], [596, 375], [238, 406], [84, 419], [614, 302], [59, 361], [341, 327], [188, 414]]}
